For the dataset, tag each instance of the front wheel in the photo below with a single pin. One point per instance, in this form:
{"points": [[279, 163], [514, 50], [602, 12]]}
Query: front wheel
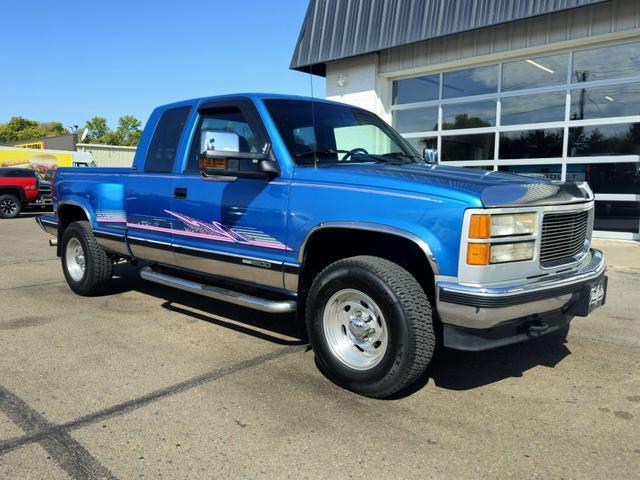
{"points": [[10, 206], [86, 266], [370, 325]]}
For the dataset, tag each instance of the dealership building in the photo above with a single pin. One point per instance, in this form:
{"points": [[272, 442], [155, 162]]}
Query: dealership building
{"points": [[545, 88]]}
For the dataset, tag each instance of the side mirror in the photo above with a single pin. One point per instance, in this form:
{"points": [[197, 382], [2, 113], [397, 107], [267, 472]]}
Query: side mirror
{"points": [[220, 158], [430, 155], [218, 140]]}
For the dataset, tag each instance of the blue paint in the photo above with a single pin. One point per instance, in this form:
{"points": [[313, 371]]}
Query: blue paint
{"points": [[426, 201]]}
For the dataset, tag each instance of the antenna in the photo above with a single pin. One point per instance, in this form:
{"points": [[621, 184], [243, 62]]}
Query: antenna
{"points": [[313, 118]]}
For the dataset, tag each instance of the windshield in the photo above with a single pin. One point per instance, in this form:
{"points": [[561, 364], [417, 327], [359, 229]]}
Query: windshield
{"points": [[323, 133]]}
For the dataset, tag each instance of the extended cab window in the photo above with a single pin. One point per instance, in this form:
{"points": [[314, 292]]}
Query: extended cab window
{"points": [[226, 119], [166, 137]]}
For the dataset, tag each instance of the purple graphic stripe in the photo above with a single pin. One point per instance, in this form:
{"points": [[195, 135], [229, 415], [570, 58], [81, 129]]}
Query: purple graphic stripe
{"points": [[219, 238]]}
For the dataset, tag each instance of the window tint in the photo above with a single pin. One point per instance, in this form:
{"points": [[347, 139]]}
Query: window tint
{"points": [[472, 81], [535, 72], [608, 62], [424, 119], [468, 147], [469, 115], [542, 107], [227, 119], [621, 139], [613, 101], [607, 177], [531, 144], [164, 143], [418, 89]]}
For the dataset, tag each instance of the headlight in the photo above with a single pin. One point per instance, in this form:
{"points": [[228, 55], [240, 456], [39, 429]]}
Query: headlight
{"points": [[487, 226], [486, 253], [511, 252], [516, 224]]}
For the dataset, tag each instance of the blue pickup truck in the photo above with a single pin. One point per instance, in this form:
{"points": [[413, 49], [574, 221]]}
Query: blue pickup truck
{"points": [[290, 204]]}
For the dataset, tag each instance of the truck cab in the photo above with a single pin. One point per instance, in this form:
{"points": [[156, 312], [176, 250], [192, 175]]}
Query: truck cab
{"points": [[290, 204]]}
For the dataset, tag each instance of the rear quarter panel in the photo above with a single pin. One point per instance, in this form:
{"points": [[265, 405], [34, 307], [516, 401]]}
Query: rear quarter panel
{"points": [[98, 191]]}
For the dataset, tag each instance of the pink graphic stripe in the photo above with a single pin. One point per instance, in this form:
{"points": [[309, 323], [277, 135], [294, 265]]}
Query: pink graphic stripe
{"points": [[186, 233]]}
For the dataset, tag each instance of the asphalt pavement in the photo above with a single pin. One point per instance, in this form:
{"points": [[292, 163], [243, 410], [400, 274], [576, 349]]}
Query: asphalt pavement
{"points": [[150, 382]]}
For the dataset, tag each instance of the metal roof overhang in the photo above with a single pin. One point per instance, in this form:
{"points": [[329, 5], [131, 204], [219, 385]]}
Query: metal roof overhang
{"points": [[336, 29]]}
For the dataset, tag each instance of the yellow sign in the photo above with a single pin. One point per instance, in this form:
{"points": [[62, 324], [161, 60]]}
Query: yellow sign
{"points": [[35, 145], [43, 162]]}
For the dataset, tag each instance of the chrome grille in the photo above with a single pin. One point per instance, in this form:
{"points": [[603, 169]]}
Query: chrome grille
{"points": [[563, 235]]}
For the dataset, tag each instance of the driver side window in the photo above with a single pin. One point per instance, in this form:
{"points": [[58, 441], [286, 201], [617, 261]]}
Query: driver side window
{"points": [[225, 119]]}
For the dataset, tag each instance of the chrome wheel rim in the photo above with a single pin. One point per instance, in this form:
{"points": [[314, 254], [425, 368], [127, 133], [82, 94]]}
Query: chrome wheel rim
{"points": [[74, 256], [355, 329], [8, 206]]}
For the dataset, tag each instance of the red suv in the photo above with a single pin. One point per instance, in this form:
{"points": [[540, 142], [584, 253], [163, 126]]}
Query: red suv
{"points": [[18, 187]]}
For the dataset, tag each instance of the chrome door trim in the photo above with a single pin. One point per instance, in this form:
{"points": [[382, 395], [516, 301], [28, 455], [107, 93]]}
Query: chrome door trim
{"points": [[112, 241]]}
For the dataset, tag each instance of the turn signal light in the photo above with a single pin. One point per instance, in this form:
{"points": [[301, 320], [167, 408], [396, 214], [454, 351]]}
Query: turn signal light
{"points": [[480, 226], [478, 253]]}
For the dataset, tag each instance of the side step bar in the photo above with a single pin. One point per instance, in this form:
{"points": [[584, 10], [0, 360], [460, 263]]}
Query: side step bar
{"points": [[237, 298]]}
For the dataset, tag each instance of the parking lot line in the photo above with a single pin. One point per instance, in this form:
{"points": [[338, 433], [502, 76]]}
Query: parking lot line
{"points": [[39, 430], [69, 454]]}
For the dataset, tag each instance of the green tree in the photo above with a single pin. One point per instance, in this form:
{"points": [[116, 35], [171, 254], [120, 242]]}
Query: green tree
{"points": [[97, 128], [20, 128], [128, 132]]}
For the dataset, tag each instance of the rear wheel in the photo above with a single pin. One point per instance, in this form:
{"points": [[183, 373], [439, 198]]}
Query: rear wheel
{"points": [[370, 325], [10, 206], [86, 266]]}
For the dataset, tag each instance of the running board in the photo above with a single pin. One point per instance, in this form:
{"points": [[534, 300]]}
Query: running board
{"points": [[237, 298]]}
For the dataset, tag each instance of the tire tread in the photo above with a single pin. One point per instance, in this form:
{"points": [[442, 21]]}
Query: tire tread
{"points": [[100, 266], [415, 304]]}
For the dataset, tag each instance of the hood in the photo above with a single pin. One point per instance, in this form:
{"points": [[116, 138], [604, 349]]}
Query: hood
{"points": [[473, 186]]}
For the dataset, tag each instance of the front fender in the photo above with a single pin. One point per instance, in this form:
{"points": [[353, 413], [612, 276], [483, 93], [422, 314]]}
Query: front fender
{"points": [[422, 242]]}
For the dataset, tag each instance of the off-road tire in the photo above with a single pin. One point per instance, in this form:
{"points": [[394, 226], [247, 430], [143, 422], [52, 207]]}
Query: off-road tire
{"points": [[9, 199], [406, 309], [98, 266]]}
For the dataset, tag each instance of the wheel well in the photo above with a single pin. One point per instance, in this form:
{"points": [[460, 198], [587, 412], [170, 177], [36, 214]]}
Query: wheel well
{"points": [[66, 215], [12, 191], [331, 244], [69, 213]]}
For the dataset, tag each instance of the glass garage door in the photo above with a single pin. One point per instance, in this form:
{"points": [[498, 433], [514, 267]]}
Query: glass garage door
{"points": [[565, 116]]}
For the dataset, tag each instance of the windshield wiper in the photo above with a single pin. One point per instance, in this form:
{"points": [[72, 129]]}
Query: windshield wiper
{"points": [[313, 153], [398, 154], [386, 157]]}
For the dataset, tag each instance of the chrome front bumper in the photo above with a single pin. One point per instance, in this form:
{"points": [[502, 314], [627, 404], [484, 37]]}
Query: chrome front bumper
{"points": [[479, 307]]}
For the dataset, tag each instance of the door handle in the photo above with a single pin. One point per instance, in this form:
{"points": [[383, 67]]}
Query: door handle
{"points": [[180, 193]]}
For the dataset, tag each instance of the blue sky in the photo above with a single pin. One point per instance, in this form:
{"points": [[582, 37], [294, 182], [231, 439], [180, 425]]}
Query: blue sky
{"points": [[72, 60]]}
